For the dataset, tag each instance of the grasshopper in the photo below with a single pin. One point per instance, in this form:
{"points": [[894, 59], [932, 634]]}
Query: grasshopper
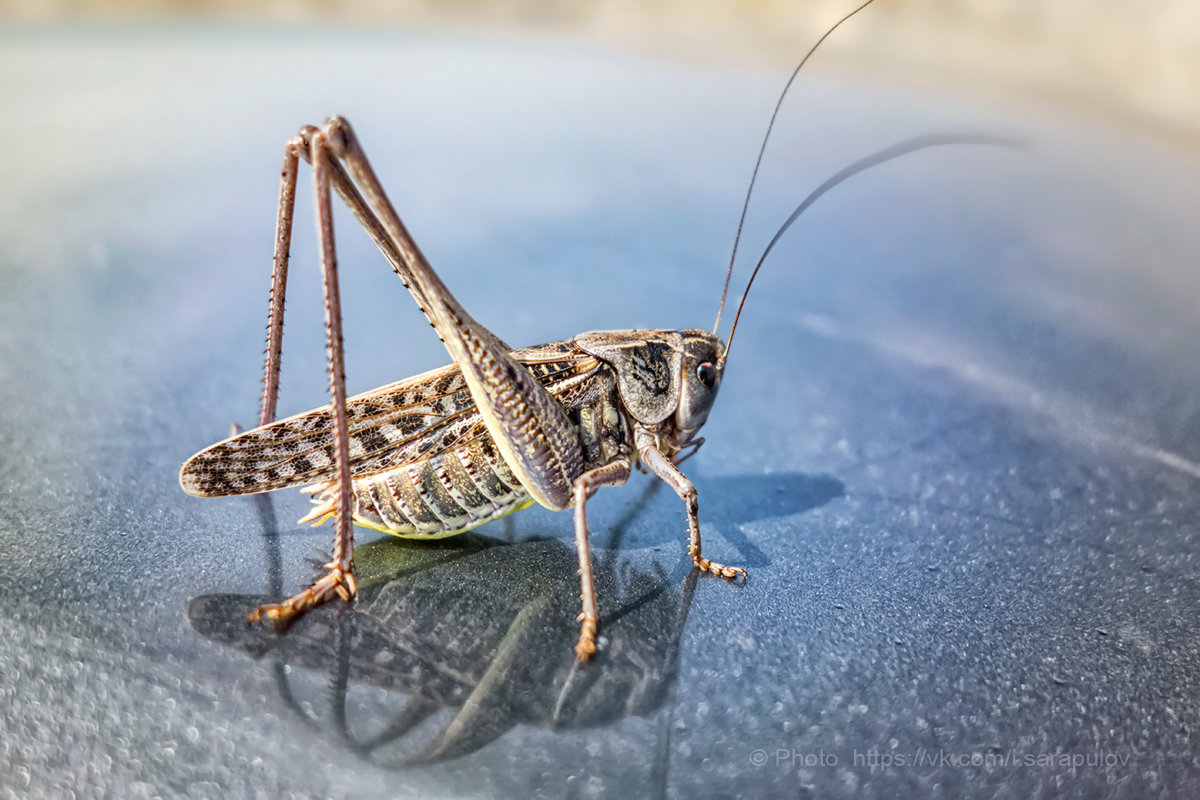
{"points": [[496, 431]]}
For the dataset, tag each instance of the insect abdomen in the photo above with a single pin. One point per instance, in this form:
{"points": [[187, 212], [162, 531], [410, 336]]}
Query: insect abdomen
{"points": [[448, 494], [466, 485]]}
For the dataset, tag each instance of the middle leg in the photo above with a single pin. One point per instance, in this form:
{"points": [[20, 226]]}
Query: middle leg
{"points": [[585, 486]]}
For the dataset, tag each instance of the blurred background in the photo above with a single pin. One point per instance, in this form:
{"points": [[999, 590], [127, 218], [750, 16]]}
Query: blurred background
{"points": [[1136, 61]]}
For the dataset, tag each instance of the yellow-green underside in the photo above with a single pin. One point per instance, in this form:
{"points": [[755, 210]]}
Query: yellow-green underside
{"points": [[443, 534]]}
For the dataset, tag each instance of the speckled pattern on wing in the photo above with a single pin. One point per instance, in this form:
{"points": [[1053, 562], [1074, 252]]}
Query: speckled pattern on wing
{"points": [[405, 422]]}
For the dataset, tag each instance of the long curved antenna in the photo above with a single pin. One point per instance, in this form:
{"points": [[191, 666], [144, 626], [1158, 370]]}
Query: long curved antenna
{"points": [[763, 149], [875, 159]]}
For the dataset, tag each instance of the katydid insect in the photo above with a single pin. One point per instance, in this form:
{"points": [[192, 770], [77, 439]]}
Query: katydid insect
{"points": [[494, 432]]}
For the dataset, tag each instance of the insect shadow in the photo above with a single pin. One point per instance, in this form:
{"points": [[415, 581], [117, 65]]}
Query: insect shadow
{"points": [[471, 637]]}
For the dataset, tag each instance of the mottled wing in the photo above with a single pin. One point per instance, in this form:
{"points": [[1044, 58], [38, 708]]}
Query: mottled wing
{"points": [[400, 423]]}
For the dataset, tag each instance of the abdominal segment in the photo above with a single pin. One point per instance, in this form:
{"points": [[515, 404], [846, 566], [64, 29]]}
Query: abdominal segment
{"points": [[450, 493]]}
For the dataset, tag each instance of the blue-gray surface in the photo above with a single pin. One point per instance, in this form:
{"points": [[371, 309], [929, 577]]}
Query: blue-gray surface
{"points": [[958, 445]]}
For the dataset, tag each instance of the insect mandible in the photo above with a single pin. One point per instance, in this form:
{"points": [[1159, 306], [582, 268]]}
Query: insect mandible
{"points": [[494, 432]]}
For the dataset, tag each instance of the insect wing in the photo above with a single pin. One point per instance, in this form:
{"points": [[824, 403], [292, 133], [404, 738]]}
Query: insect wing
{"points": [[400, 423]]}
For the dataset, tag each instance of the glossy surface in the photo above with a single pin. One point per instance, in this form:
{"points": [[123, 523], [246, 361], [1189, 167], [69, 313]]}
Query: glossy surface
{"points": [[957, 445]]}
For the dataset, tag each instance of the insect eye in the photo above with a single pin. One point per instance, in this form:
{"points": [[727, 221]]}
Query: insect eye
{"points": [[707, 373]]}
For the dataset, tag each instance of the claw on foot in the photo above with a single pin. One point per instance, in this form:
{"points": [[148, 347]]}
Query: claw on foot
{"points": [[728, 573], [587, 639], [336, 582]]}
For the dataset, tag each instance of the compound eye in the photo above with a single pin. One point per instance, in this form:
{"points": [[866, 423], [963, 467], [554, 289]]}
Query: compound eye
{"points": [[707, 373]]}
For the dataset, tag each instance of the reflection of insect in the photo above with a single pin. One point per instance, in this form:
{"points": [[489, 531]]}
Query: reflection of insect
{"points": [[496, 431], [468, 677]]}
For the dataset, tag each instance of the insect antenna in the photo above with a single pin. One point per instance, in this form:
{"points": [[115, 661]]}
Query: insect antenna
{"points": [[763, 149], [873, 160]]}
